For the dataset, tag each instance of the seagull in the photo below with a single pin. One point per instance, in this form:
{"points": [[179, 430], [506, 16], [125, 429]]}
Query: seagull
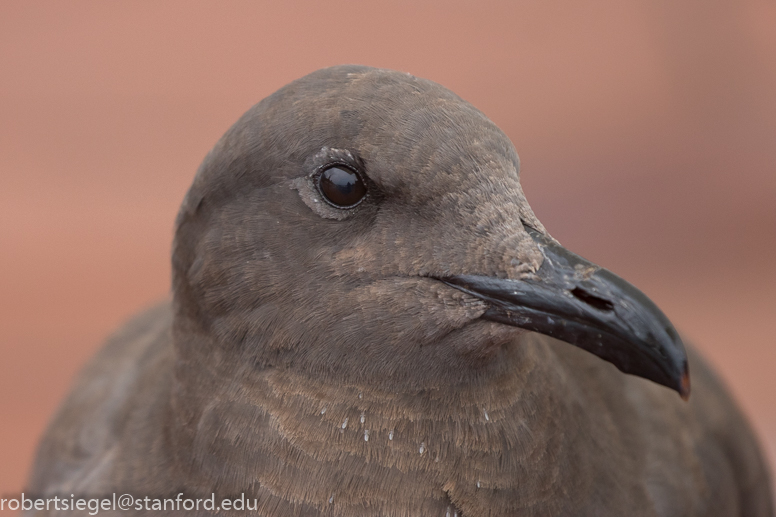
{"points": [[367, 319]]}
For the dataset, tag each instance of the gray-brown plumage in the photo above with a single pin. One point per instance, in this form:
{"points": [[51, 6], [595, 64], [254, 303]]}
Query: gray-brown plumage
{"points": [[370, 360]]}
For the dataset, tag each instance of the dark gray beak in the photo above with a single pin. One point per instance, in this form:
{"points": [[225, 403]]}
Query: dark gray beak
{"points": [[585, 305]]}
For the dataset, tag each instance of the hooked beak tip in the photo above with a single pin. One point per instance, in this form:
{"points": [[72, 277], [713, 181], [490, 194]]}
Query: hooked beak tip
{"points": [[684, 387]]}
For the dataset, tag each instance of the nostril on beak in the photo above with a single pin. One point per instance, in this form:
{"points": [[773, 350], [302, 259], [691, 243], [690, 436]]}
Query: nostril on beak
{"points": [[592, 300]]}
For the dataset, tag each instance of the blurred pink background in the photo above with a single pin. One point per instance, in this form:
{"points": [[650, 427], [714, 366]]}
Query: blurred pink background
{"points": [[646, 129]]}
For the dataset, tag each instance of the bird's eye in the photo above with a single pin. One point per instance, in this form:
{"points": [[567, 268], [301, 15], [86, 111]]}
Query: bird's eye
{"points": [[341, 186]]}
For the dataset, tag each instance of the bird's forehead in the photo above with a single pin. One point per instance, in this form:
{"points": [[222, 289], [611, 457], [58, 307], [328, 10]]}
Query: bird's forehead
{"points": [[414, 137], [405, 129]]}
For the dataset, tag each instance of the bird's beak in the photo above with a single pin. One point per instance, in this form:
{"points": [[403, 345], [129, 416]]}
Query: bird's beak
{"points": [[585, 305]]}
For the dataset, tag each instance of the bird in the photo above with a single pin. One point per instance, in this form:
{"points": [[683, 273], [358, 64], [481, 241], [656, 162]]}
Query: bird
{"points": [[367, 319]]}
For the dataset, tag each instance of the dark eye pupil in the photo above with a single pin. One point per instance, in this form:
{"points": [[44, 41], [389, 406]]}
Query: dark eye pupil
{"points": [[341, 187]]}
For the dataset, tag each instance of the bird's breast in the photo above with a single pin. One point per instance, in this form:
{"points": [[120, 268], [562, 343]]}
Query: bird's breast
{"points": [[505, 442]]}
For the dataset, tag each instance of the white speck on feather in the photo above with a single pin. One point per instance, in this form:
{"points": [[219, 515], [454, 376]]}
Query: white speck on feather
{"points": [[422, 447], [331, 499], [478, 484], [390, 435], [366, 435], [360, 395], [323, 411], [363, 417], [345, 423], [487, 418]]}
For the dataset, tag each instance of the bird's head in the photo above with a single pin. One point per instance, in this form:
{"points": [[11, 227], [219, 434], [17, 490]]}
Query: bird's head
{"points": [[368, 227]]}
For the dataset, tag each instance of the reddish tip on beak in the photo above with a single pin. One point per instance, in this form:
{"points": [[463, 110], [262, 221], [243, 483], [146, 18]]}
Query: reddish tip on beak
{"points": [[684, 390]]}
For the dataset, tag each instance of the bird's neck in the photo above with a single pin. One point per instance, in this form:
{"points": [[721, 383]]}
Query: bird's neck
{"points": [[240, 429]]}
